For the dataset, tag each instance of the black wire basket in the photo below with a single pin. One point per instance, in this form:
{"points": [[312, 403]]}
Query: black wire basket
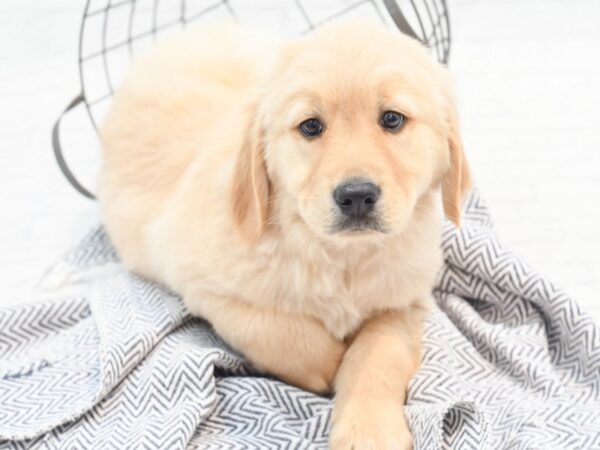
{"points": [[113, 31]]}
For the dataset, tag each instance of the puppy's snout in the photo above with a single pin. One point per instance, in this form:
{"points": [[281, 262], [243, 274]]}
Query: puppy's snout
{"points": [[356, 198]]}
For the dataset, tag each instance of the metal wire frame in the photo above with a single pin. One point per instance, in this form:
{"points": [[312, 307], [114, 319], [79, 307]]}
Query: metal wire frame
{"points": [[430, 25], [432, 20]]}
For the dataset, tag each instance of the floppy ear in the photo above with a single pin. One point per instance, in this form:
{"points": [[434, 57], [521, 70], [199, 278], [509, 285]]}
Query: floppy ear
{"points": [[250, 184], [457, 180]]}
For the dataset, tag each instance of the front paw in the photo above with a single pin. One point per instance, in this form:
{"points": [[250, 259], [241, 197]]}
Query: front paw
{"points": [[370, 425]]}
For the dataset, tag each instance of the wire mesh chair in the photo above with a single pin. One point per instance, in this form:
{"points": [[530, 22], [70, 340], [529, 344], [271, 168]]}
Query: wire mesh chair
{"points": [[113, 31]]}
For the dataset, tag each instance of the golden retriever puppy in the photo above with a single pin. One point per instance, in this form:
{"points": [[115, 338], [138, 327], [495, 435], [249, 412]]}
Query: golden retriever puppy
{"points": [[291, 194]]}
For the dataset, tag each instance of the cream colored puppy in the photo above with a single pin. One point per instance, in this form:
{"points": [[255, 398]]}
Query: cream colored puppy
{"points": [[290, 194]]}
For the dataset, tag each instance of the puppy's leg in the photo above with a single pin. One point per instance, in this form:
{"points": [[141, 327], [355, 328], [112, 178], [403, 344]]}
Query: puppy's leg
{"points": [[372, 380], [296, 348]]}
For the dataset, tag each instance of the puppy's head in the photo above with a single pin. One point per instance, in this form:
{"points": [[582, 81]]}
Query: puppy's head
{"points": [[356, 125]]}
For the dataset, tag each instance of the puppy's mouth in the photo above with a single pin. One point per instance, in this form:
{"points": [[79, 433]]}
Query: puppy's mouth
{"points": [[354, 225]]}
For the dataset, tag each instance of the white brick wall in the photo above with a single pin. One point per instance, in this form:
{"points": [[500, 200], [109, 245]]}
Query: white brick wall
{"points": [[528, 81]]}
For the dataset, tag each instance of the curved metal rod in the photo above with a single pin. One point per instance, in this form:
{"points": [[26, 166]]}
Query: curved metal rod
{"points": [[58, 154], [399, 19]]}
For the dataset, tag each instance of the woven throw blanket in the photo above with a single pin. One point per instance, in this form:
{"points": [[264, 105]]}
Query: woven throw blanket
{"points": [[111, 360]]}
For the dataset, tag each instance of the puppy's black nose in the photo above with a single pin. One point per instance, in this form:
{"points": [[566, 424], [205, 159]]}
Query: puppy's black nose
{"points": [[357, 198]]}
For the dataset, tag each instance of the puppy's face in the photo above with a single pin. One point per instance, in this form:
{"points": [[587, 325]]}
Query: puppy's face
{"points": [[356, 126]]}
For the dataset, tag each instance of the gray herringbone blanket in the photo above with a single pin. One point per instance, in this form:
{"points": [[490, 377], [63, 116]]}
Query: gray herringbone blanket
{"points": [[113, 361]]}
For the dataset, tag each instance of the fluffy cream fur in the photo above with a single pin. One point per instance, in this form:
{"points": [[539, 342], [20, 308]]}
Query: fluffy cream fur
{"points": [[208, 186]]}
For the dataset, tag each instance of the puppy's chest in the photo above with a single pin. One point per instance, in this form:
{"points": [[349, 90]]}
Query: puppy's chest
{"points": [[340, 299], [340, 294]]}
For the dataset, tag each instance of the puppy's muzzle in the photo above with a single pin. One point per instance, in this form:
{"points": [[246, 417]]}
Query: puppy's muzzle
{"points": [[356, 199]]}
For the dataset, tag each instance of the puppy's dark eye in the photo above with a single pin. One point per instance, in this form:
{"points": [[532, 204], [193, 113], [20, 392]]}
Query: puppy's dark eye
{"points": [[392, 120], [311, 128]]}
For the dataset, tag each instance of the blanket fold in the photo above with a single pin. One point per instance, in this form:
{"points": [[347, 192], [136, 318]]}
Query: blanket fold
{"points": [[111, 360]]}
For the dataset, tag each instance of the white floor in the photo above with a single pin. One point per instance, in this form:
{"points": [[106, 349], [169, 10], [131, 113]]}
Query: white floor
{"points": [[528, 80]]}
